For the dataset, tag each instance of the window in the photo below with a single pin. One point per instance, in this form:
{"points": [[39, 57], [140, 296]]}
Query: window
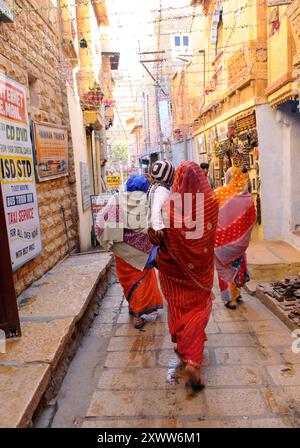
{"points": [[186, 41], [177, 41]]}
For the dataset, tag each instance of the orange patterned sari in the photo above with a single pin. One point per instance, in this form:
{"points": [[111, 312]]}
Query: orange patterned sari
{"points": [[140, 288]]}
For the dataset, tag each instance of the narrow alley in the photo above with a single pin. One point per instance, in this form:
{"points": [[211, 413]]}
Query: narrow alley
{"points": [[149, 193], [123, 377]]}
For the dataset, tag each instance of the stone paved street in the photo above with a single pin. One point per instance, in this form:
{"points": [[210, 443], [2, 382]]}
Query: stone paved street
{"points": [[122, 377]]}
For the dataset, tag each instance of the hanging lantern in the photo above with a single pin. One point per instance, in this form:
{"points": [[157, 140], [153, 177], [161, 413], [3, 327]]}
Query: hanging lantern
{"points": [[83, 43]]}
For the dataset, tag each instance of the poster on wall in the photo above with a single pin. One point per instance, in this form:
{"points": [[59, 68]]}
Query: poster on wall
{"points": [[222, 132], [17, 174], [85, 185], [201, 144], [51, 146]]}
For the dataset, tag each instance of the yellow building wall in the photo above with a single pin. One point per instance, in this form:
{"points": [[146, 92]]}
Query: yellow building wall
{"points": [[280, 43]]}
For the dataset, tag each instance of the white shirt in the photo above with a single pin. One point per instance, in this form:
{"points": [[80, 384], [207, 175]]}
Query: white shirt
{"points": [[157, 200]]}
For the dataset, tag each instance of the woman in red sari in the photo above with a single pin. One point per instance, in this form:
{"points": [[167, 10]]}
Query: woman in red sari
{"points": [[186, 265]]}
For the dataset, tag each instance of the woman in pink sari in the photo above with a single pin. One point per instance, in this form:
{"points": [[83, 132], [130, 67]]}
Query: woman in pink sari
{"points": [[237, 217]]}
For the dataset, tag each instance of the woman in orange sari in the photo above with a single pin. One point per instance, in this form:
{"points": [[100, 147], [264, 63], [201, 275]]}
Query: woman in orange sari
{"points": [[186, 265], [237, 217], [121, 227]]}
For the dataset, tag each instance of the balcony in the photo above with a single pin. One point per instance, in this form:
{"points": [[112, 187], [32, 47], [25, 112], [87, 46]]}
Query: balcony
{"points": [[293, 13], [247, 64], [282, 41], [92, 98]]}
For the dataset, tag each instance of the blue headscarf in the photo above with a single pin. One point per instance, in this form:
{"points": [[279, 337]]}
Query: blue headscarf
{"points": [[137, 183]]}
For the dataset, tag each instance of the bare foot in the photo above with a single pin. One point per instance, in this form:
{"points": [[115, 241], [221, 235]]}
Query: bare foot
{"points": [[138, 322]]}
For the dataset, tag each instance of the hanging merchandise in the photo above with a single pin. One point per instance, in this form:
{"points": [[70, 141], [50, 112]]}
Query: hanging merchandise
{"points": [[83, 43], [274, 20], [258, 209]]}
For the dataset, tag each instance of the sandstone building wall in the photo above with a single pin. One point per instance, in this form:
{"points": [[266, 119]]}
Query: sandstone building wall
{"points": [[30, 53]]}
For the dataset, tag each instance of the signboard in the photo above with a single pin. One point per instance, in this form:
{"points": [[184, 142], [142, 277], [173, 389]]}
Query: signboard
{"points": [[85, 185], [17, 174], [113, 181], [51, 144], [98, 202]]}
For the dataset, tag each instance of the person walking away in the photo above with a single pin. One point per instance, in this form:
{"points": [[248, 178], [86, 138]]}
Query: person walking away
{"points": [[186, 265], [131, 247], [162, 174], [205, 167], [237, 217]]}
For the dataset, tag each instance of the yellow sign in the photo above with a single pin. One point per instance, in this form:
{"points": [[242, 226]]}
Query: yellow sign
{"points": [[113, 181], [51, 151]]}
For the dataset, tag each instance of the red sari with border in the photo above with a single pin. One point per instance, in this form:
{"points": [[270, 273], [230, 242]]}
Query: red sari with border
{"points": [[186, 266]]}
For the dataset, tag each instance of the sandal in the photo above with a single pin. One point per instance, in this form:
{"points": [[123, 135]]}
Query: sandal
{"points": [[177, 353], [239, 299], [140, 323], [231, 307], [196, 387]]}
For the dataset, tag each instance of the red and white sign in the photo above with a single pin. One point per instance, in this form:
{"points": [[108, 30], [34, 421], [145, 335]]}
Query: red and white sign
{"points": [[17, 174]]}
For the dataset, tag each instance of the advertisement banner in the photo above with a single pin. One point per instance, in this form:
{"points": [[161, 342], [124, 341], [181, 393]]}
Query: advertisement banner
{"points": [[17, 174], [51, 145]]}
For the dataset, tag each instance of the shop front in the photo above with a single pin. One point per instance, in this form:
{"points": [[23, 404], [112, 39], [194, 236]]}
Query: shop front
{"points": [[234, 143]]}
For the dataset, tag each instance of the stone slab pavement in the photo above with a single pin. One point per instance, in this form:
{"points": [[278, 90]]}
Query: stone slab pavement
{"points": [[49, 312], [124, 377]]}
